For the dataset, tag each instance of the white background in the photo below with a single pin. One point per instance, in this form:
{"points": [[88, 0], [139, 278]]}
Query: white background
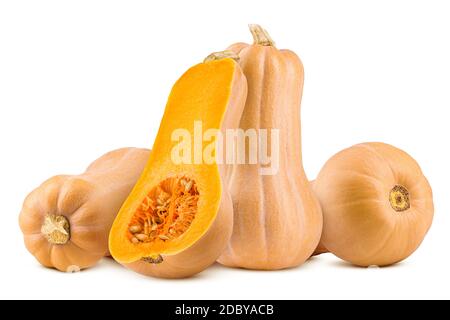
{"points": [[80, 78]]}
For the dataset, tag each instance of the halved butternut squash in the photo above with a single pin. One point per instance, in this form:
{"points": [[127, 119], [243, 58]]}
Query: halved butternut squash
{"points": [[178, 219]]}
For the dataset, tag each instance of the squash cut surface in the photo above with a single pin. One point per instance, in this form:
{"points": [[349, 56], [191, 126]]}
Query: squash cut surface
{"points": [[174, 205]]}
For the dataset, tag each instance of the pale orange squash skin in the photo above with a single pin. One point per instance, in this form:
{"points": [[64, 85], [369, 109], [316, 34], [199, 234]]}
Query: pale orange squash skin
{"points": [[360, 225], [277, 218], [204, 251], [320, 248], [89, 201]]}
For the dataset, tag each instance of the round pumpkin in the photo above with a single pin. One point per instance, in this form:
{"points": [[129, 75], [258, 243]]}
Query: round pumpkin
{"points": [[376, 202]]}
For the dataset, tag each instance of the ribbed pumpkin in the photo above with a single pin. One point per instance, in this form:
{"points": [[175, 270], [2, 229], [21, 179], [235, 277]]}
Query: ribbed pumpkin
{"points": [[277, 219], [376, 202], [66, 221]]}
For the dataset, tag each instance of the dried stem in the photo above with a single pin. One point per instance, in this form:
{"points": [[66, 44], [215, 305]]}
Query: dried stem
{"points": [[56, 229], [260, 35], [222, 55], [399, 198]]}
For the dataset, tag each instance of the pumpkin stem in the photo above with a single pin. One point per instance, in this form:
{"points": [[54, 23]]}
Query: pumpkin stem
{"points": [[56, 229], [260, 35], [399, 198], [222, 55]]}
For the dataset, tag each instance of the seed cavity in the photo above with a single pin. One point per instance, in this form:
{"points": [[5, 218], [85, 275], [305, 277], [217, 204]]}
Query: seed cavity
{"points": [[399, 198], [166, 212]]}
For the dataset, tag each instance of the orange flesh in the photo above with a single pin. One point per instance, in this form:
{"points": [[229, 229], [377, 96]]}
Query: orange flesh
{"points": [[201, 94], [166, 212]]}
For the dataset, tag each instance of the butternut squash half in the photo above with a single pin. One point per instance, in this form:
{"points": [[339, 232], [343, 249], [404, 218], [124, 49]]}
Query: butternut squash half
{"points": [[66, 221], [376, 202], [179, 217], [277, 218]]}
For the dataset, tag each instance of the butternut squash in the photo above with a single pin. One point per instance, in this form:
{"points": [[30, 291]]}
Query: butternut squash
{"points": [[179, 217], [376, 202], [66, 221], [277, 219]]}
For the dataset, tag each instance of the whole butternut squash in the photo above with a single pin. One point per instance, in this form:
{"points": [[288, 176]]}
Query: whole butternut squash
{"points": [[376, 202], [277, 219], [179, 217], [66, 221]]}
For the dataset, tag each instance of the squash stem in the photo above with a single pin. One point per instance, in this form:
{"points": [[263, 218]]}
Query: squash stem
{"points": [[399, 198], [56, 229], [222, 55], [260, 35]]}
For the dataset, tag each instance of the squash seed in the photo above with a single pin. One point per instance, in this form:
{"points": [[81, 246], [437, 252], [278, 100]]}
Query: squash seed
{"points": [[163, 237], [188, 186], [141, 236], [134, 240], [135, 228]]}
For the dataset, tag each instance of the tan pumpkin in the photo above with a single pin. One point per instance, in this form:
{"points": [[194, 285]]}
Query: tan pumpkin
{"points": [[179, 217], [376, 202], [66, 221], [277, 219]]}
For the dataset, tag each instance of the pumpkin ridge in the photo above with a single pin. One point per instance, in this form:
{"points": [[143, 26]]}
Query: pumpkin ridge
{"points": [[355, 202], [96, 255], [53, 256], [88, 251], [44, 253], [262, 191], [386, 241], [62, 197], [387, 162], [362, 175]]}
